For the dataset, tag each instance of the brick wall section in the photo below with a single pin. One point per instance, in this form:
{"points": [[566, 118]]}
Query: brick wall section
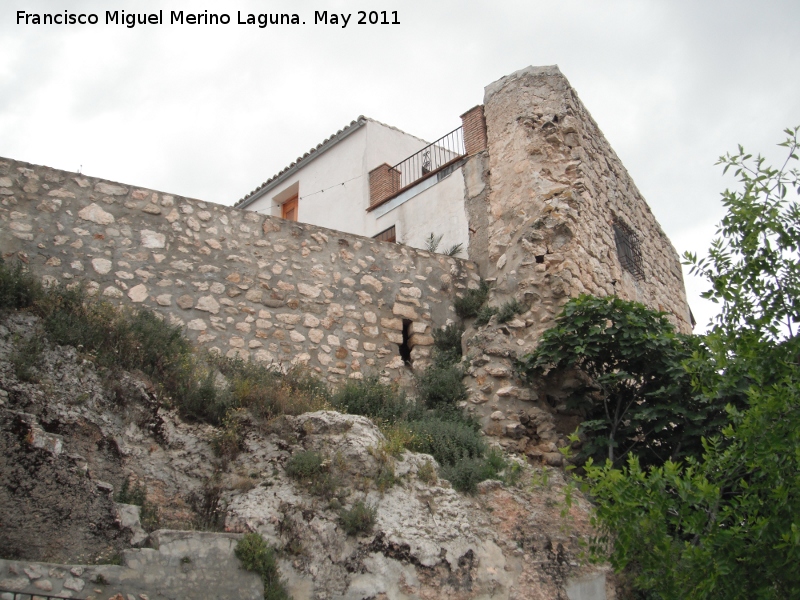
{"points": [[383, 182], [474, 124], [241, 283]]}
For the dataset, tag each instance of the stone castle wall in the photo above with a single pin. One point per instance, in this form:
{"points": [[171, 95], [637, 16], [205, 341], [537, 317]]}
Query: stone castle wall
{"points": [[541, 203], [556, 188], [243, 284]]}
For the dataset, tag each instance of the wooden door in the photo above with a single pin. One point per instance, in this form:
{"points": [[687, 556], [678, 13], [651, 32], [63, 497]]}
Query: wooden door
{"points": [[289, 209]]}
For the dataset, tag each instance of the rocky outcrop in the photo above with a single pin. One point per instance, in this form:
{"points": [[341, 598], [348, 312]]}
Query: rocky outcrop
{"points": [[94, 433]]}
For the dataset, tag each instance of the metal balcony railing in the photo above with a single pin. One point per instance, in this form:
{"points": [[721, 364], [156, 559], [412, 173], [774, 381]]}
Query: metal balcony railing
{"points": [[431, 159]]}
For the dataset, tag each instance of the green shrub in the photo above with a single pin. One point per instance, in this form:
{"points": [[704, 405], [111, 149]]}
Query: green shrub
{"points": [[441, 385], [208, 504], [18, 287], [385, 479], [26, 356], [369, 397], [308, 468], [398, 438], [466, 473], [228, 440], [427, 473], [470, 304], [197, 395], [359, 519], [484, 314], [135, 340], [504, 314], [447, 343], [508, 310], [305, 465], [267, 392], [448, 441], [131, 494], [258, 557]]}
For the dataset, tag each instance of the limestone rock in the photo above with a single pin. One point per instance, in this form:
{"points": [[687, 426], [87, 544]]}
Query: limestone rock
{"points": [[101, 265], [96, 214], [138, 293], [110, 189], [151, 239], [207, 304]]}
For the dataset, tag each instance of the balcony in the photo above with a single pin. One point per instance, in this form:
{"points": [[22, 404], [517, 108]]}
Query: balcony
{"points": [[387, 182]]}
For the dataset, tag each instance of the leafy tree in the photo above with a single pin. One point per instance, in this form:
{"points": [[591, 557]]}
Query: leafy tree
{"points": [[754, 266], [638, 397], [727, 524]]}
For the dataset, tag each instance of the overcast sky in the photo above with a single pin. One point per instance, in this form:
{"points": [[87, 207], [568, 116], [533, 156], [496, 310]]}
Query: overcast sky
{"points": [[210, 112]]}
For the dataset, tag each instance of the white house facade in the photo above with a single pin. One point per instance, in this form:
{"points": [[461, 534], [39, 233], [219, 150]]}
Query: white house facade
{"points": [[374, 180]]}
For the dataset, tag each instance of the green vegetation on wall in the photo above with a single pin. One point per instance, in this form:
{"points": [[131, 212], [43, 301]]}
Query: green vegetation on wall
{"points": [[723, 521]]}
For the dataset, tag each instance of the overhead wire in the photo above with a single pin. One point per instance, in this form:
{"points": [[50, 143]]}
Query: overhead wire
{"points": [[322, 190]]}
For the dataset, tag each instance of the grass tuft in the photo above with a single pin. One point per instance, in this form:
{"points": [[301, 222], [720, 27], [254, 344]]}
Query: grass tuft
{"points": [[258, 557], [358, 519]]}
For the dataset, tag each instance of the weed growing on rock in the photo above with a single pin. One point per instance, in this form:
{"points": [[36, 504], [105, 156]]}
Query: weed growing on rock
{"points": [[18, 287], [267, 392], [465, 474], [447, 343], [208, 504], [310, 469], [358, 519], [485, 314], [371, 398], [26, 357], [504, 313], [468, 306], [427, 473], [258, 557], [508, 310], [305, 465], [228, 441], [398, 437], [131, 493], [136, 493], [448, 441], [386, 478]]}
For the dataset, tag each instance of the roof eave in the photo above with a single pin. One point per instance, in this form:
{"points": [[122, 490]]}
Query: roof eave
{"points": [[359, 123]]}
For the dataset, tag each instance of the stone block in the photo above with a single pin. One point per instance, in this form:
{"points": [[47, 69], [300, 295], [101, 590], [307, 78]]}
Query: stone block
{"points": [[392, 324], [404, 310], [420, 340]]}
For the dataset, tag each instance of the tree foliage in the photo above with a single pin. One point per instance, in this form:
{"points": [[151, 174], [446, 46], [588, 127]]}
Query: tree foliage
{"points": [[754, 264], [637, 397], [726, 525]]}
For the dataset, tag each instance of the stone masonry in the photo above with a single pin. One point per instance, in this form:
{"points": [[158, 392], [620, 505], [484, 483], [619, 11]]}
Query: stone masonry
{"points": [[542, 201], [242, 284], [183, 564]]}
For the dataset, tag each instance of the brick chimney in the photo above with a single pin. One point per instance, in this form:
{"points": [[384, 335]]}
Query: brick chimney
{"points": [[383, 182], [474, 123]]}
